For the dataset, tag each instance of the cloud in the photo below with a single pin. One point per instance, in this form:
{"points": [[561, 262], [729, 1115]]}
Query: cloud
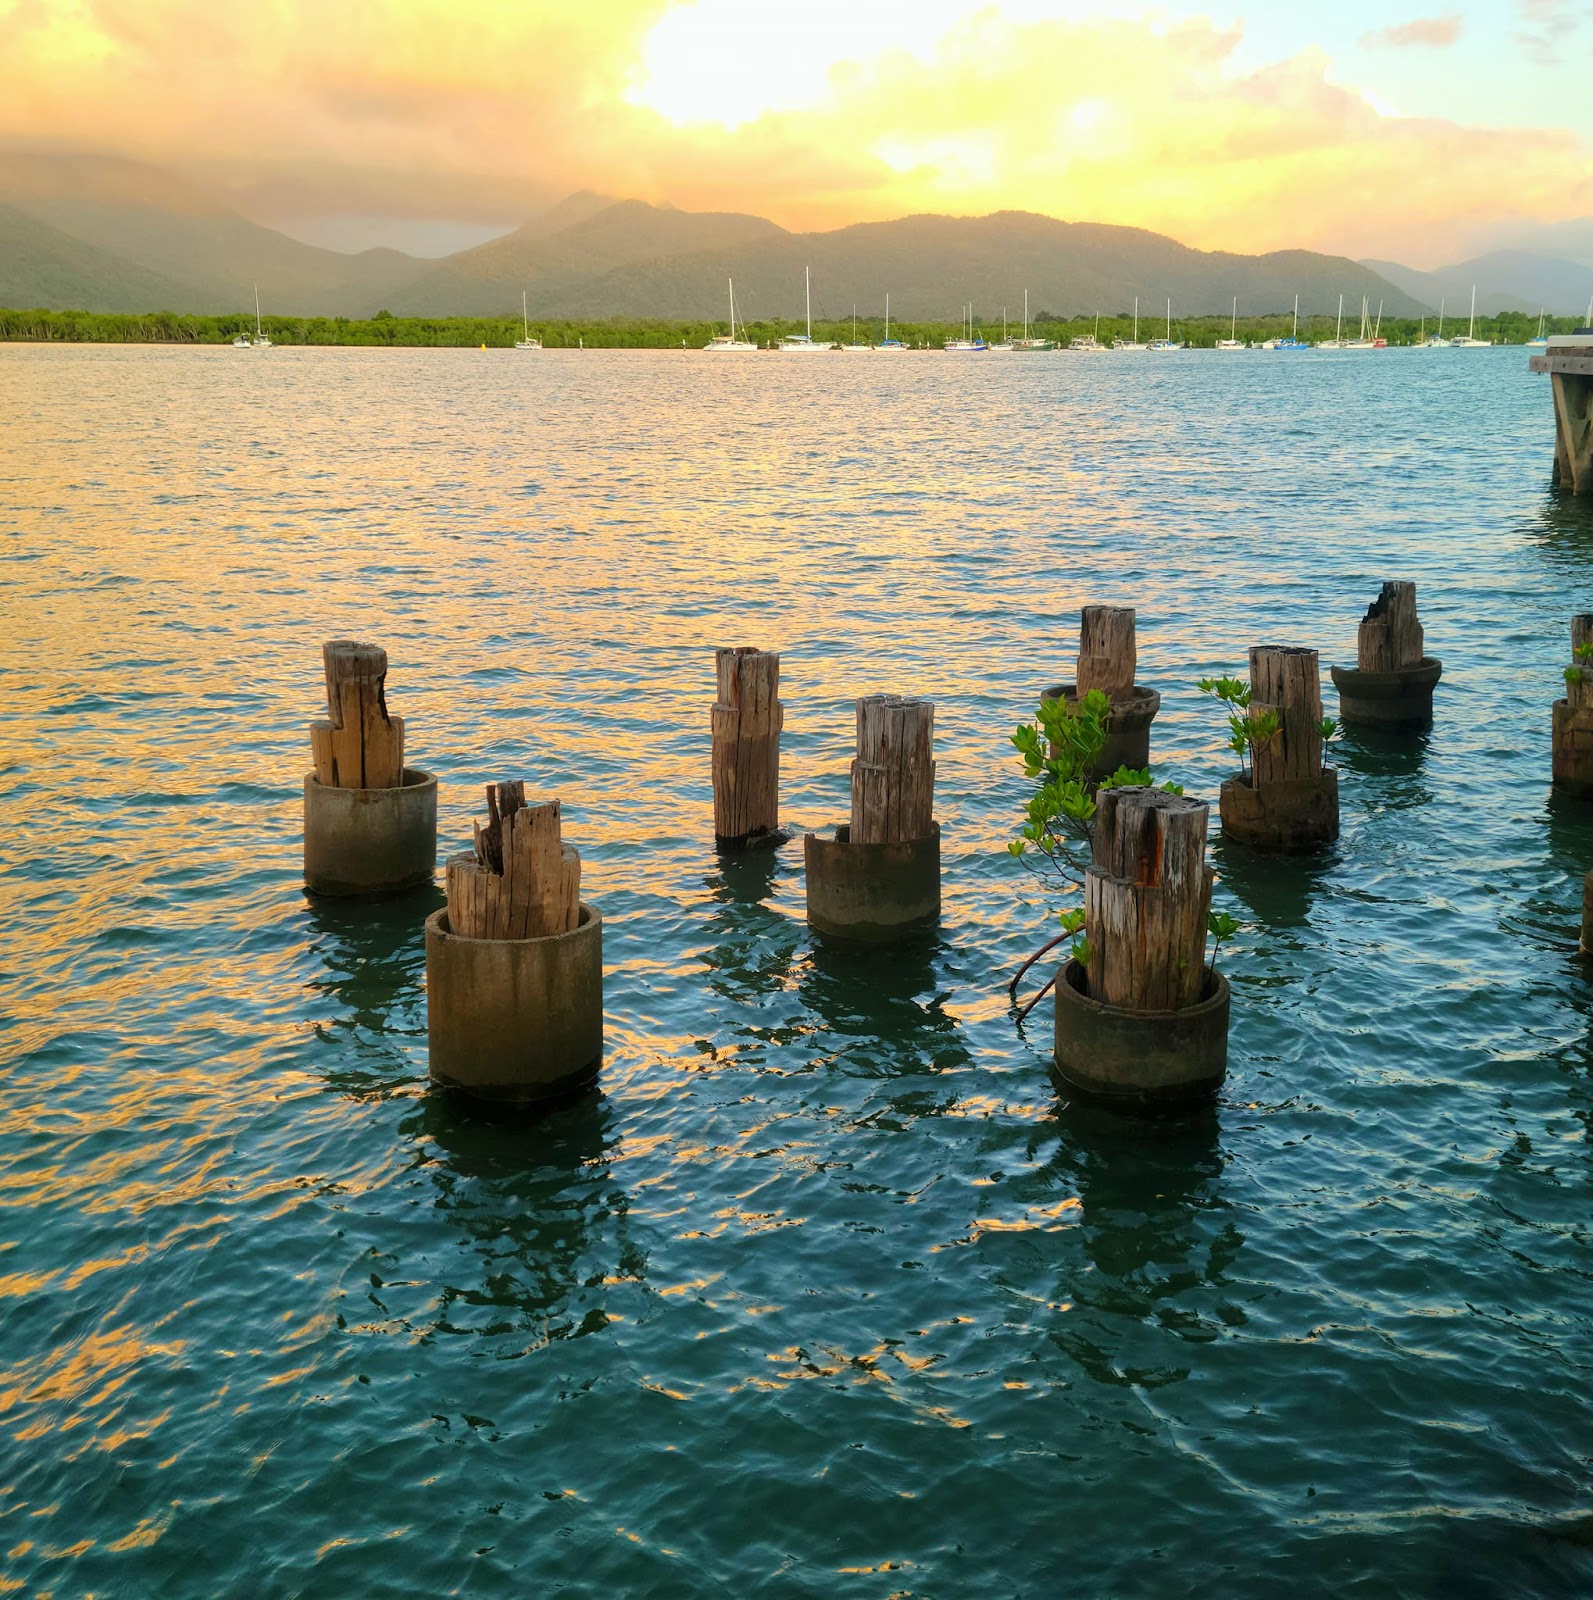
{"points": [[480, 111], [1434, 33]]}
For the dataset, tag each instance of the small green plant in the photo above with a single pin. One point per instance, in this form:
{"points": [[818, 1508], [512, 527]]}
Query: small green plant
{"points": [[1248, 731], [1573, 675], [1584, 652], [1221, 927], [1328, 727]]}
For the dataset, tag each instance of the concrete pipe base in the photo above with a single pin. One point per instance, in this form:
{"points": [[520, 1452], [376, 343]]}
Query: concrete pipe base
{"points": [[516, 1021], [871, 892], [763, 839], [370, 841], [1140, 1060], [1127, 734], [1295, 817], [1573, 751], [1402, 700]]}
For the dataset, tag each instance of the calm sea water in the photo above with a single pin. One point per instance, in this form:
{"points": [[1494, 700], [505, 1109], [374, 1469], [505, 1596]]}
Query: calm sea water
{"points": [[824, 1293]]}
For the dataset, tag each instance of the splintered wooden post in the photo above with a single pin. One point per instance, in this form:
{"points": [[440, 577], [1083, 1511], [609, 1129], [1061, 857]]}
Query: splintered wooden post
{"points": [[1108, 656], [893, 777], [360, 746], [1287, 680], [1390, 637], [746, 719], [523, 881], [1579, 688], [1146, 900]]}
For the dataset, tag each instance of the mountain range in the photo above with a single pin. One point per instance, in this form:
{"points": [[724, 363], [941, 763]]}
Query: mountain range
{"points": [[97, 234]]}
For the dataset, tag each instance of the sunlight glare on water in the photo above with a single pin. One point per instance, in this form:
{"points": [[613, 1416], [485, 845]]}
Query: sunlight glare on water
{"points": [[823, 1293]]}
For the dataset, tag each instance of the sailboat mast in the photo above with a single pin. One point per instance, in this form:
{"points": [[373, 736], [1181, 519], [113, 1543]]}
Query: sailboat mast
{"points": [[1338, 331], [525, 317], [1233, 325], [257, 311], [1136, 319], [1169, 319], [1471, 327], [887, 315], [1025, 313], [1295, 332], [1441, 304], [807, 279]]}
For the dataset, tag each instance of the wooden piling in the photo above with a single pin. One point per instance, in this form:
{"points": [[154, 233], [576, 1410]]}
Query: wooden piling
{"points": [[1587, 915], [523, 881], [360, 746], [1572, 750], [1146, 900], [1108, 653], [893, 777], [1390, 638], [1287, 680], [746, 721], [1568, 360]]}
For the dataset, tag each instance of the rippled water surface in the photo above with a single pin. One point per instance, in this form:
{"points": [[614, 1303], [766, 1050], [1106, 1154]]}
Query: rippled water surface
{"points": [[824, 1293]]}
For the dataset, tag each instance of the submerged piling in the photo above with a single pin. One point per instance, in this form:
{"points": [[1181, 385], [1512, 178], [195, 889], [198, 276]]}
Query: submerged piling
{"points": [[1288, 801], [746, 720], [514, 962], [1391, 685], [1572, 753], [370, 822], [880, 875], [1109, 661]]}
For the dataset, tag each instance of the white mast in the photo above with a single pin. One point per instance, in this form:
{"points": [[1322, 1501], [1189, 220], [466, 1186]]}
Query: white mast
{"points": [[1169, 319], [1338, 331], [1233, 325], [1471, 327], [1025, 313], [1441, 304], [1295, 331], [525, 317], [887, 315], [807, 278], [1136, 319], [257, 311]]}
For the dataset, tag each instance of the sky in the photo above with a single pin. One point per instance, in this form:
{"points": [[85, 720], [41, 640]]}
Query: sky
{"points": [[1416, 131]]}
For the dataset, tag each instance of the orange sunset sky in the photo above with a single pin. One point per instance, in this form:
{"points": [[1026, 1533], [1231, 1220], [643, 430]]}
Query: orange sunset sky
{"points": [[1420, 131]]}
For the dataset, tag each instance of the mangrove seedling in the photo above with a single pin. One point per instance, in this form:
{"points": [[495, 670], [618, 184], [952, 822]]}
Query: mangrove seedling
{"points": [[1248, 731]]}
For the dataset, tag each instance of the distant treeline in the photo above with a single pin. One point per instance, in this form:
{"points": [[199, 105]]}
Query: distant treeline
{"points": [[165, 327]]}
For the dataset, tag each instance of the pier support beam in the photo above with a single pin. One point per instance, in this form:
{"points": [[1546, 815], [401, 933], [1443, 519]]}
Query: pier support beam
{"points": [[1568, 360], [1573, 716]]}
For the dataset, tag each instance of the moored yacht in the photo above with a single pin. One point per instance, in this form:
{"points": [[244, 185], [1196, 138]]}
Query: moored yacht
{"points": [[1232, 342], [1337, 341], [1435, 341], [888, 343], [525, 341], [262, 340], [1131, 344], [1029, 342], [1539, 343], [1088, 344], [1466, 341], [968, 340], [854, 345], [729, 341], [1169, 343], [1294, 341], [802, 343]]}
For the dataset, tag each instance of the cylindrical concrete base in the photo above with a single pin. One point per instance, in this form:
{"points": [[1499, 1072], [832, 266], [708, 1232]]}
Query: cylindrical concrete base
{"points": [[370, 841], [519, 1021], [1401, 699], [1573, 751], [1127, 734], [872, 892], [1295, 816], [1140, 1060], [1587, 915]]}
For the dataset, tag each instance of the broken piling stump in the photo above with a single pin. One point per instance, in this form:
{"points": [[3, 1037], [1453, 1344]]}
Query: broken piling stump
{"points": [[746, 720], [1145, 1023], [370, 822], [1288, 801], [1108, 660], [879, 877], [514, 963], [1573, 716], [1391, 685]]}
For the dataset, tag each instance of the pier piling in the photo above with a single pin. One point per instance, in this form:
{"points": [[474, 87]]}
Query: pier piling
{"points": [[880, 875], [1108, 661], [747, 718], [1289, 801], [514, 963], [1391, 685], [1573, 716], [370, 822], [1568, 360]]}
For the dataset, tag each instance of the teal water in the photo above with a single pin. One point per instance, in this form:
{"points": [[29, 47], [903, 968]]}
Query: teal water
{"points": [[824, 1293]]}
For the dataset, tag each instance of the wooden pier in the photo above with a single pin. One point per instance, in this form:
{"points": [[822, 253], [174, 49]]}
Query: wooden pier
{"points": [[1568, 360]]}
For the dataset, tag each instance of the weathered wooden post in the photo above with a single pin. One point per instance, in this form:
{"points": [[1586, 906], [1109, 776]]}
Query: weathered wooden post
{"points": [[514, 962], [747, 719], [1288, 800], [1108, 661], [1392, 682], [1568, 359], [880, 875], [1572, 754], [370, 822], [1145, 1024], [1587, 915]]}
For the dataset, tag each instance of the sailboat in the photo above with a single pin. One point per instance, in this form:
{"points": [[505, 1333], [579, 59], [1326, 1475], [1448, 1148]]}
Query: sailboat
{"points": [[802, 343], [1468, 342], [1003, 343], [888, 343], [242, 341], [525, 341], [1539, 343], [1168, 343], [1362, 340], [1088, 344], [1337, 341], [729, 341], [1294, 341], [1232, 342], [968, 341], [854, 345], [1029, 342], [262, 340], [1131, 344], [1436, 341]]}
